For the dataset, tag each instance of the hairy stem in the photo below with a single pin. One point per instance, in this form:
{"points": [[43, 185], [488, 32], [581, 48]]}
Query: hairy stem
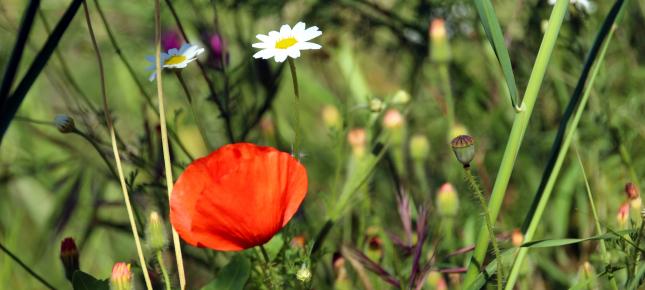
{"points": [[164, 272]]}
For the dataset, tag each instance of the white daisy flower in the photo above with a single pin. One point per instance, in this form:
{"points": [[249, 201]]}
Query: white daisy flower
{"points": [[286, 42], [584, 5], [175, 58]]}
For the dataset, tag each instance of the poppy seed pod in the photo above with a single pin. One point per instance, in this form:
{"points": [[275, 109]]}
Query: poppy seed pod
{"points": [[464, 148], [121, 278], [237, 197], [69, 257], [64, 123]]}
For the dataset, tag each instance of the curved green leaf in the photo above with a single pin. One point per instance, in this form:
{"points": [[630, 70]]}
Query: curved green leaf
{"points": [[233, 276], [84, 281]]}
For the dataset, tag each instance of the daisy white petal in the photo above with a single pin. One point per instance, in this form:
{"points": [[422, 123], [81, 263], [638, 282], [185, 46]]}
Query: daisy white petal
{"points": [[298, 28], [287, 42], [280, 55]]}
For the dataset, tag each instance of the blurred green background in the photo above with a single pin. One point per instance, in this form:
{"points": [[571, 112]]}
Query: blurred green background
{"points": [[54, 185]]}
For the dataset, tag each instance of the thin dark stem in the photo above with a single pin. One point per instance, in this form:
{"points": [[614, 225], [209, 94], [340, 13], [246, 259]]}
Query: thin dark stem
{"points": [[220, 105], [24, 266], [265, 254], [99, 151], [294, 76], [18, 48], [320, 238]]}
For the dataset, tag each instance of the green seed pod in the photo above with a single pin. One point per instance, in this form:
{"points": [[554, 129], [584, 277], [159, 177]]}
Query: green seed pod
{"points": [[64, 123], [401, 98], [419, 147], [464, 148], [447, 201], [156, 232]]}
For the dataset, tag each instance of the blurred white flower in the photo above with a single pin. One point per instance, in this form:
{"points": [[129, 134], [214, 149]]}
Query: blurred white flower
{"points": [[584, 5], [286, 42], [175, 58]]}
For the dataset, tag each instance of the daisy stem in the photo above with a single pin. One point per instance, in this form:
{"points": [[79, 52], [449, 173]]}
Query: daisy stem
{"points": [[164, 272], [164, 141], [115, 149], [294, 76], [198, 121]]}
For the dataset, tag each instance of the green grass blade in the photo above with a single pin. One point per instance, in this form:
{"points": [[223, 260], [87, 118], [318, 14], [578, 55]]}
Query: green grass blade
{"points": [[13, 103], [570, 241], [496, 38]]}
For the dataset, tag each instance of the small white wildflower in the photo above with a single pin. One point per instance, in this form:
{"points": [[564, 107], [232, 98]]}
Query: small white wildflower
{"points": [[584, 5], [175, 58], [287, 42]]}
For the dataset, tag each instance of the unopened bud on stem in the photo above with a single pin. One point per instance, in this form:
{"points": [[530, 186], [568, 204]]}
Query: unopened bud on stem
{"points": [[69, 257], [64, 123]]}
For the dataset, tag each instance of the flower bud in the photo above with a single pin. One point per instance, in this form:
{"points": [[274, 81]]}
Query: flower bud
{"points": [[464, 148], [458, 129], [64, 123], [121, 278], [393, 119], [447, 201], [401, 98], [623, 214], [440, 49], [171, 39], [266, 126], [435, 281], [376, 105], [331, 117], [304, 274], [631, 191], [587, 274], [156, 232], [357, 138], [298, 242], [517, 238], [69, 257], [419, 147]]}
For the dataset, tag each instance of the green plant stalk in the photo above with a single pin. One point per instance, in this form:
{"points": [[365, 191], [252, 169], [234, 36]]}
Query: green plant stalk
{"points": [[294, 76], [115, 149], [603, 246], [420, 172], [267, 267], [24, 266], [535, 220], [164, 272], [444, 76], [476, 189], [517, 133], [164, 142], [198, 121]]}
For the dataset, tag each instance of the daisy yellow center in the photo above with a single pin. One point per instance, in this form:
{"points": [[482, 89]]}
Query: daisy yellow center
{"points": [[175, 59], [286, 43]]}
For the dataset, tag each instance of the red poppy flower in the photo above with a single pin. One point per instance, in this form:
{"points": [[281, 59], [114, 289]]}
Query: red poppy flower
{"points": [[237, 197]]}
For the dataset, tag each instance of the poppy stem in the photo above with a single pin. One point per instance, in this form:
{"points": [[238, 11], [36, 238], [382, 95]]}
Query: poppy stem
{"points": [[164, 142], [164, 272], [115, 149], [296, 147], [265, 254]]}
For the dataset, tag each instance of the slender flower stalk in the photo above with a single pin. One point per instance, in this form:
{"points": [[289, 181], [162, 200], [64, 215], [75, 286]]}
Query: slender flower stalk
{"points": [[164, 141], [516, 136], [294, 76], [164, 272], [115, 149]]}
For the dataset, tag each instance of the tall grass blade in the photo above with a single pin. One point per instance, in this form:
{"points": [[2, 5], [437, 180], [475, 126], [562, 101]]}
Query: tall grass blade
{"points": [[496, 38]]}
